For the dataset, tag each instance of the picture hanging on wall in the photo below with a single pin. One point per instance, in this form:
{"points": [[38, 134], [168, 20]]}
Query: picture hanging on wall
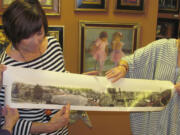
{"points": [[169, 6], [102, 45], [58, 33], [167, 28], [51, 7], [90, 5], [133, 6], [3, 39], [4, 4]]}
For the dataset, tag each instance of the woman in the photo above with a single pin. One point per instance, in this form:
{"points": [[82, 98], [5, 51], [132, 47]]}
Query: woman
{"points": [[25, 26], [160, 60]]}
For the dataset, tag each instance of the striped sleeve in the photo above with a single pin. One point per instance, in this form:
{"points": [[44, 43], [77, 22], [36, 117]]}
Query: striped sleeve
{"points": [[22, 127], [143, 58]]}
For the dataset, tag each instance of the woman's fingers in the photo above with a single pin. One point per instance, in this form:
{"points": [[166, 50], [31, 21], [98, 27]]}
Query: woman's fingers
{"points": [[116, 73], [91, 73]]}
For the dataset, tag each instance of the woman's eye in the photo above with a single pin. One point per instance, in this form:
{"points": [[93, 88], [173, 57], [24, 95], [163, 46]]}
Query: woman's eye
{"points": [[39, 33]]}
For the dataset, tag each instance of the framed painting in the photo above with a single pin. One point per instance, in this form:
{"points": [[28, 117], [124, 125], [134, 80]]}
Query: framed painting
{"points": [[3, 40], [4, 4], [102, 45], [90, 5], [51, 7], [169, 6], [167, 28], [133, 6], [58, 33]]}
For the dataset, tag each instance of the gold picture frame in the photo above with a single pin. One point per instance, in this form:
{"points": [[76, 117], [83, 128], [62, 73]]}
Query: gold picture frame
{"points": [[51, 7], [91, 5], [4, 4], [169, 6], [90, 32], [57, 31], [130, 6]]}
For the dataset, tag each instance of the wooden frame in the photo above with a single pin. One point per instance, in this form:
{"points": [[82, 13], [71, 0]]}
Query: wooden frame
{"points": [[90, 5], [4, 4], [51, 7], [131, 6], [3, 39], [167, 28], [58, 33], [90, 33], [169, 6]]}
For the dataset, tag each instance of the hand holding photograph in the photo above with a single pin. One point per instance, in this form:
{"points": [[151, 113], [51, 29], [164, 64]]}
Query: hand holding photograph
{"points": [[29, 88]]}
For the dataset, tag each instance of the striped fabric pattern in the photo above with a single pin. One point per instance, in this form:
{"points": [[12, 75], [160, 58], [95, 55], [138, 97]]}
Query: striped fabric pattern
{"points": [[51, 60], [156, 61]]}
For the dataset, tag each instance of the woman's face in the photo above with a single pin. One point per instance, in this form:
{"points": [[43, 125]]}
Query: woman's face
{"points": [[32, 43]]}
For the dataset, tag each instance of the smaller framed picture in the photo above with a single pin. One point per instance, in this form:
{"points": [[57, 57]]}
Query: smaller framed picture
{"points": [[90, 5], [58, 33], [102, 45], [4, 4], [169, 6], [132, 6], [167, 28], [51, 7], [3, 39]]}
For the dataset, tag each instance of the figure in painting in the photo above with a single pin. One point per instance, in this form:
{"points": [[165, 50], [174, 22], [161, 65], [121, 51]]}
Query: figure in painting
{"points": [[99, 49], [117, 45]]}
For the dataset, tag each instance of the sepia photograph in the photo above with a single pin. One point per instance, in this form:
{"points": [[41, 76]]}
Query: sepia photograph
{"points": [[52, 90], [111, 97]]}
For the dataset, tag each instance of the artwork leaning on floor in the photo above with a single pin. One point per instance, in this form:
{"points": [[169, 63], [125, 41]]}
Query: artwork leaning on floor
{"points": [[104, 44]]}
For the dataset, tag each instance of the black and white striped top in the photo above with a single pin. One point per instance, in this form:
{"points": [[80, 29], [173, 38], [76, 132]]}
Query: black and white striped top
{"points": [[51, 60]]}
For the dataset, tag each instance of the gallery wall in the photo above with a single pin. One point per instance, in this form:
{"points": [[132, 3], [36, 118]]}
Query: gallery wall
{"points": [[70, 19], [104, 123]]}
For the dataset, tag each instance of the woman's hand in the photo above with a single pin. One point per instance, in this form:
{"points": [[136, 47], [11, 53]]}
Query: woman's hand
{"points": [[116, 73], [11, 116], [177, 87], [60, 119], [91, 73]]}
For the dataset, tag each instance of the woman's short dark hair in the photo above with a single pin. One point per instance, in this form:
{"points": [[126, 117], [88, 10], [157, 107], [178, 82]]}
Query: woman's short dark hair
{"points": [[23, 19]]}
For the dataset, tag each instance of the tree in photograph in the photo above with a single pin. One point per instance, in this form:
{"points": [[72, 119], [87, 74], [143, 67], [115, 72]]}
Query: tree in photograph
{"points": [[15, 91], [38, 93]]}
